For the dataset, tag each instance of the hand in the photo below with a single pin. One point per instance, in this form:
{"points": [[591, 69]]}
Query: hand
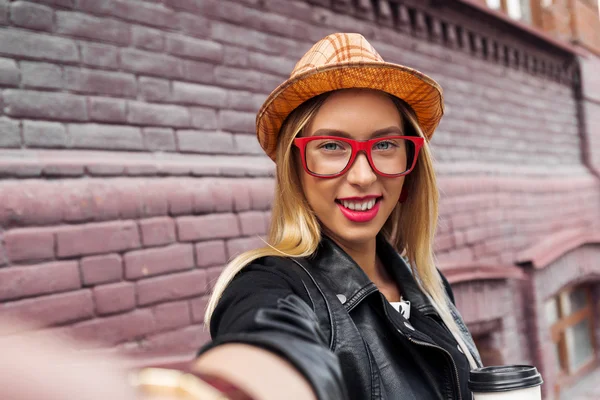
{"points": [[42, 366]]}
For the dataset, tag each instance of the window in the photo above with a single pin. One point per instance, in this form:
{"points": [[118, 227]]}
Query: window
{"points": [[488, 350], [570, 316], [516, 9]]}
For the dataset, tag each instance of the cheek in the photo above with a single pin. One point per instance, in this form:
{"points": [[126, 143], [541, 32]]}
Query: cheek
{"points": [[393, 186], [320, 193]]}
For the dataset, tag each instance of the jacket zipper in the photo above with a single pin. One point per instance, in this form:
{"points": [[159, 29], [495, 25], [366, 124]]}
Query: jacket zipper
{"points": [[449, 356], [421, 343]]}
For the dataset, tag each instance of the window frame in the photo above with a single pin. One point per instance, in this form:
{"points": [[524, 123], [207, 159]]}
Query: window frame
{"points": [[566, 376]]}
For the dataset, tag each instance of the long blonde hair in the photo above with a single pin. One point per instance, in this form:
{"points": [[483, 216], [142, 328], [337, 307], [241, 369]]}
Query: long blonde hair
{"points": [[295, 230]]}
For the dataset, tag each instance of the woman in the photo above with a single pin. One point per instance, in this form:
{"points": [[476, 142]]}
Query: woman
{"points": [[345, 300]]}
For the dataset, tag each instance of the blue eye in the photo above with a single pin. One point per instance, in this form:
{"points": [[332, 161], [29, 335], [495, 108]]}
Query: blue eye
{"points": [[331, 146], [384, 145]]}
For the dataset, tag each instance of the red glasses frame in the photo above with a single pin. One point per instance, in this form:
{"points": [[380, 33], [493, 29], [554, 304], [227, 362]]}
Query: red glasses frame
{"points": [[357, 146]]}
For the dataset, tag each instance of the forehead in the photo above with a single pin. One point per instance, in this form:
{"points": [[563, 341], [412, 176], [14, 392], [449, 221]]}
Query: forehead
{"points": [[357, 112]]}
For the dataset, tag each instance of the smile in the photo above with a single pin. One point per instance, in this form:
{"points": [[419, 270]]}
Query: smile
{"points": [[359, 210]]}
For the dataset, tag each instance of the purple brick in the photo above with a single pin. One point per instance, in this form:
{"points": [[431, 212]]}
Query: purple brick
{"points": [[114, 298], [239, 78], [158, 114], [37, 46], [210, 253], [103, 237], [205, 142], [99, 55], [31, 16], [151, 63], [247, 144], [10, 133], [149, 262], [9, 72], [190, 93], [171, 287], [100, 82], [101, 269], [204, 118], [51, 310], [148, 14], [29, 244], [107, 109], [43, 75], [213, 226], [235, 56], [154, 89], [172, 315], [237, 246], [198, 307], [96, 136], [252, 223], [4, 7], [58, 106], [241, 195], [147, 38], [194, 25], [197, 71], [237, 121], [159, 139], [62, 3], [188, 47], [269, 63], [45, 134], [212, 275], [90, 27], [115, 329], [157, 231], [39, 279], [244, 101]]}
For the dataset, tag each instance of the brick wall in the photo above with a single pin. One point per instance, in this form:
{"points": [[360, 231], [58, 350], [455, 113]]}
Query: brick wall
{"points": [[130, 171]]}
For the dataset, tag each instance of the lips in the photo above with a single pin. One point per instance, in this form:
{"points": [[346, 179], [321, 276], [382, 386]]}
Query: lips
{"points": [[359, 215]]}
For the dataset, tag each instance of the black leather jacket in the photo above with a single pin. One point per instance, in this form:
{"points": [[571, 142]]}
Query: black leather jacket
{"points": [[329, 320]]}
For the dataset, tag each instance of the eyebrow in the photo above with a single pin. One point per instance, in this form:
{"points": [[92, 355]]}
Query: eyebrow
{"points": [[378, 133]]}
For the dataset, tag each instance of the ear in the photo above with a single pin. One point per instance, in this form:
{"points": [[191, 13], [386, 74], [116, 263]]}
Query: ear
{"points": [[403, 194]]}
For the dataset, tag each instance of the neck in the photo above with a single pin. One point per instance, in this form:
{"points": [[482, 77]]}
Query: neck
{"points": [[363, 253]]}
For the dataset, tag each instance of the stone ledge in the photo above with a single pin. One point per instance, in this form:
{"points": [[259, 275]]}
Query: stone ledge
{"points": [[553, 246], [457, 272], [25, 163]]}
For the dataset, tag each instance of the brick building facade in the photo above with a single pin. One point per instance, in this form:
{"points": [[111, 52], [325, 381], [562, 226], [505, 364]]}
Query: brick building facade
{"points": [[131, 173]]}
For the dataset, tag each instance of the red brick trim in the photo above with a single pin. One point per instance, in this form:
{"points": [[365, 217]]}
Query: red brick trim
{"points": [[553, 246], [465, 272]]}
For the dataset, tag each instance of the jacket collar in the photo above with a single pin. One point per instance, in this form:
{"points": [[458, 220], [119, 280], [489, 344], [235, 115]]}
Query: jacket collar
{"points": [[351, 283]]}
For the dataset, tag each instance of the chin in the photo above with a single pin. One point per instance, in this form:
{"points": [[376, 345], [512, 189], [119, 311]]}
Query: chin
{"points": [[356, 234]]}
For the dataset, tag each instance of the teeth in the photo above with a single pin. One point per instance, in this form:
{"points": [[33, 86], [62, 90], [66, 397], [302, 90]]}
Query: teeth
{"points": [[366, 205]]}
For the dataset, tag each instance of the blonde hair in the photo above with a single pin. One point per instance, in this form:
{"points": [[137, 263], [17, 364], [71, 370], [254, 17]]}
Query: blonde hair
{"points": [[295, 230]]}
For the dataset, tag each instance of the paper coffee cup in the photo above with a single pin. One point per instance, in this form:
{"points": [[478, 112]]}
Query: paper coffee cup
{"points": [[508, 382]]}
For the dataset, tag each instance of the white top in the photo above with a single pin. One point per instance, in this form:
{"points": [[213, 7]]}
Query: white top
{"points": [[402, 306]]}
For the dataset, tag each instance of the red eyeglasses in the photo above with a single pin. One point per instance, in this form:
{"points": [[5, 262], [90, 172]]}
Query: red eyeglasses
{"points": [[332, 156]]}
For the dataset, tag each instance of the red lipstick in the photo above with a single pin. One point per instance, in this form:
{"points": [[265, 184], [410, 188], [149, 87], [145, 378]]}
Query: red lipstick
{"points": [[359, 216]]}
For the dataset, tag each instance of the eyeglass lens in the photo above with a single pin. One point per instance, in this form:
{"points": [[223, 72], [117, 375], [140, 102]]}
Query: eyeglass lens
{"points": [[389, 155]]}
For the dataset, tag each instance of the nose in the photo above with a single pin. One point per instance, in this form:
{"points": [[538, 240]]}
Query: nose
{"points": [[361, 173]]}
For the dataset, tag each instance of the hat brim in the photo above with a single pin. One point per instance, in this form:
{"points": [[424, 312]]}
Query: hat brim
{"points": [[418, 90]]}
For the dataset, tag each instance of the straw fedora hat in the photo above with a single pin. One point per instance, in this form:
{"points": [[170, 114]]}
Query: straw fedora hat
{"points": [[343, 61]]}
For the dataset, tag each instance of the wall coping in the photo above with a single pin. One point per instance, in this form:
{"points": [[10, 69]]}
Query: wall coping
{"points": [[459, 272], [554, 246]]}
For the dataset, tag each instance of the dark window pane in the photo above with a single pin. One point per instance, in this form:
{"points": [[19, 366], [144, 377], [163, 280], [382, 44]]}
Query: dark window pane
{"points": [[577, 299], [579, 344]]}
